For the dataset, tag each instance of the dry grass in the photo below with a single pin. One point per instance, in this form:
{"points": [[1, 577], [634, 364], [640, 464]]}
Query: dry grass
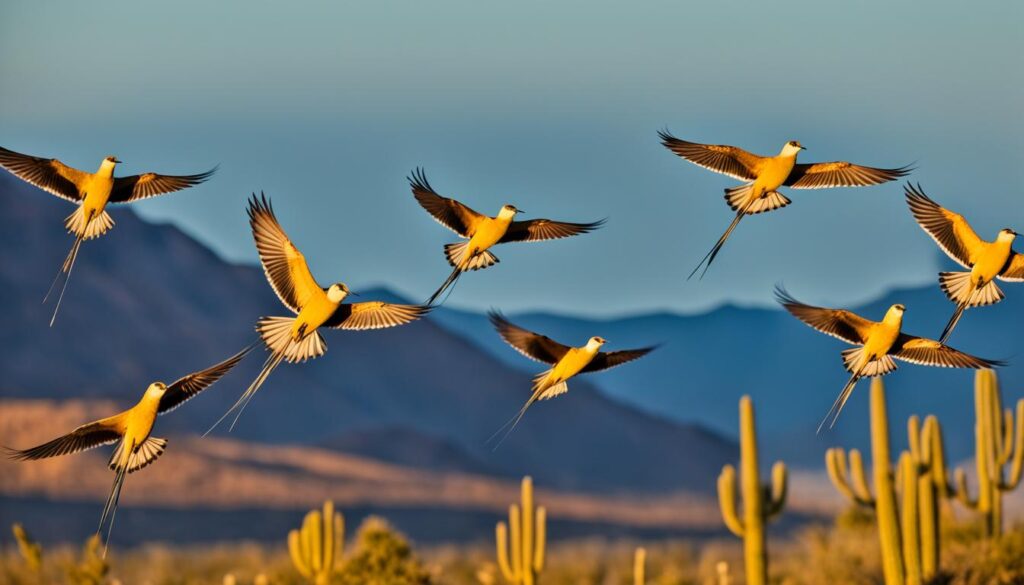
{"points": [[845, 554]]}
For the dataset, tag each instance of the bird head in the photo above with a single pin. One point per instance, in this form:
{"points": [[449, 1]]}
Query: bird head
{"points": [[337, 292], [792, 147], [1007, 235], [509, 210], [596, 342], [896, 311], [111, 160], [156, 389]]}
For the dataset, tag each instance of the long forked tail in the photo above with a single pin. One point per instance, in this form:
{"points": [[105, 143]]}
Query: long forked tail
{"points": [[110, 508], [710, 256], [840, 402], [65, 271], [952, 323], [511, 424], [273, 360], [450, 281]]}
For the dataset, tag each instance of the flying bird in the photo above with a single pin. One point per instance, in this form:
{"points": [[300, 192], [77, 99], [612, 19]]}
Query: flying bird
{"points": [[565, 361], [482, 232], [764, 175], [984, 261], [91, 192], [296, 338], [131, 430], [878, 343]]}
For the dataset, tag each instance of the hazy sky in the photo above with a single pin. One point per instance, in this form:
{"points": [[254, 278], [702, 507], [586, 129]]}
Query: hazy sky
{"points": [[551, 106]]}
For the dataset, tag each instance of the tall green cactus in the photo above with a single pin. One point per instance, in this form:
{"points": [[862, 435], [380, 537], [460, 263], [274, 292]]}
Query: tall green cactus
{"points": [[855, 486], [316, 547], [640, 566], [908, 533], [760, 502], [523, 561], [997, 443]]}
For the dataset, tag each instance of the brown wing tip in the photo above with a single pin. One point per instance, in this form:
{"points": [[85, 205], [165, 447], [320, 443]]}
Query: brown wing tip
{"points": [[418, 181], [497, 319], [260, 206], [785, 299]]}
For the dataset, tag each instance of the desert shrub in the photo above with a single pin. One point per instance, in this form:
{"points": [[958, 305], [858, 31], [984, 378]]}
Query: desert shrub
{"points": [[382, 556]]}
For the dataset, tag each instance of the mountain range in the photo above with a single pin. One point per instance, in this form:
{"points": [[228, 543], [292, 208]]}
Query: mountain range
{"points": [[149, 302]]}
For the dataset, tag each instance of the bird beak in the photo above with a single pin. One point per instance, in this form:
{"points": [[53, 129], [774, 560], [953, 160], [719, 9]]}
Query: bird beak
{"points": [[354, 294], [803, 148], [118, 161]]}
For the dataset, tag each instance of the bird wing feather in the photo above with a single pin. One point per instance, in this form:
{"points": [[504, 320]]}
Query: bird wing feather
{"points": [[1014, 270], [144, 186], [928, 352], [720, 158], [532, 345], [448, 212], [191, 385], [49, 174], [535, 230], [88, 436], [374, 315], [283, 263], [838, 323], [949, 230], [840, 174], [611, 359]]}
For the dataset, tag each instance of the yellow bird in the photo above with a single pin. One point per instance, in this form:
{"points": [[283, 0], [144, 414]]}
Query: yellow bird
{"points": [[91, 192], [297, 339], [766, 174], [482, 232], [131, 430], [565, 361], [985, 261], [879, 342]]}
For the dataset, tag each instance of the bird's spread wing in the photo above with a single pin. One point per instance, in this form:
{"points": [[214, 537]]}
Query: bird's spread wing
{"points": [[448, 212], [720, 158], [605, 360], [87, 436], [283, 263], [191, 385], [136, 187], [840, 174], [374, 315], [928, 352], [533, 345], [536, 230], [49, 174], [949, 230], [838, 323], [1014, 271]]}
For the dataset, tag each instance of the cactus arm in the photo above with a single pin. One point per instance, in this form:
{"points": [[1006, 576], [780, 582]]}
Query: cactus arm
{"points": [[315, 541], [1011, 482], [541, 542], [776, 497], [339, 539], [856, 491], [727, 500], [909, 521], [639, 559], [327, 564], [527, 527], [295, 551], [501, 538]]}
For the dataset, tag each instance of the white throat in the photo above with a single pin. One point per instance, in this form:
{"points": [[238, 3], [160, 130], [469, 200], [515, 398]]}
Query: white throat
{"points": [[593, 345], [789, 150], [506, 213]]}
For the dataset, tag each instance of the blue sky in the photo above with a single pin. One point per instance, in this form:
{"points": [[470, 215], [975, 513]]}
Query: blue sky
{"points": [[553, 107]]}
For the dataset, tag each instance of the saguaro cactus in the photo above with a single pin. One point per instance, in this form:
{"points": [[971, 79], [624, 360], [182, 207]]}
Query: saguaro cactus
{"points": [[639, 566], [760, 502], [852, 482], [316, 547], [927, 466], [523, 561], [996, 443]]}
